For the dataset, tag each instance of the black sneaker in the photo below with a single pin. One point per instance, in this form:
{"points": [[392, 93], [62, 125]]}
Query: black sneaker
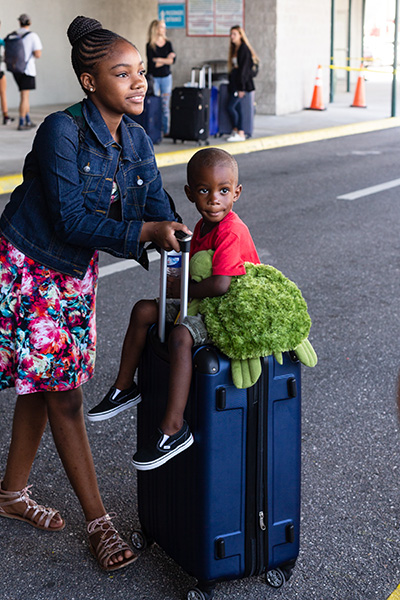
{"points": [[114, 403], [162, 448]]}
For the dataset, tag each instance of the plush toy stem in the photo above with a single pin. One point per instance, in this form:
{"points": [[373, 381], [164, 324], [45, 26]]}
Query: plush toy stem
{"points": [[193, 307], [306, 353], [245, 372]]}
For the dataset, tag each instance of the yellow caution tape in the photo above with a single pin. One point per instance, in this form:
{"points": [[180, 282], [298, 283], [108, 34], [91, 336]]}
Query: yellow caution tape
{"points": [[360, 69]]}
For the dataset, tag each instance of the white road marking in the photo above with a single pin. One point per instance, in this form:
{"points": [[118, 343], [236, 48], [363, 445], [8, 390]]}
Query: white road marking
{"points": [[365, 152], [370, 190], [124, 265]]}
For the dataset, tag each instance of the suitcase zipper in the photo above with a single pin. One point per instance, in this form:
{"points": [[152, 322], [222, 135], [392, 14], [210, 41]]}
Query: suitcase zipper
{"points": [[261, 467], [256, 530], [261, 523]]}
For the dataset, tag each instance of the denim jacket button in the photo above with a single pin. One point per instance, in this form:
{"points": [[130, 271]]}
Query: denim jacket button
{"points": [[140, 180]]}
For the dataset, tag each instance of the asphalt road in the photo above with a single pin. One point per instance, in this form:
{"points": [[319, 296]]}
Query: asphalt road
{"points": [[343, 255]]}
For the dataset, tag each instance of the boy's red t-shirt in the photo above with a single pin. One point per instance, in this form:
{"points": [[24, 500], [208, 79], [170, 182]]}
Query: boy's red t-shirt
{"points": [[232, 245]]}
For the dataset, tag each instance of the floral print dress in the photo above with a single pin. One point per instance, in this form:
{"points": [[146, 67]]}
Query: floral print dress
{"points": [[47, 324]]}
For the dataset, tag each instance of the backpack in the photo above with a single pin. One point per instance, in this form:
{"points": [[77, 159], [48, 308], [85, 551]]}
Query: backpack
{"points": [[14, 55], [254, 68], [75, 111]]}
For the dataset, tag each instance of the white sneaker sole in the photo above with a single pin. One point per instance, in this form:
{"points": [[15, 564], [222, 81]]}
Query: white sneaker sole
{"points": [[115, 411], [163, 459]]}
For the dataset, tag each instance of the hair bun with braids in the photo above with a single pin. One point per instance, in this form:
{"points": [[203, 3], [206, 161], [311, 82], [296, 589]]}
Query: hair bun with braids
{"points": [[80, 27]]}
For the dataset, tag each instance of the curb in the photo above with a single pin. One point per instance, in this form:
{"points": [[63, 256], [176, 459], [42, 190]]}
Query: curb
{"points": [[168, 159], [179, 157]]}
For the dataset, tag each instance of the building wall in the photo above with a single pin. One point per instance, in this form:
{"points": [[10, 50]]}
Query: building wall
{"points": [[260, 27], [291, 38], [303, 43], [56, 81], [289, 44]]}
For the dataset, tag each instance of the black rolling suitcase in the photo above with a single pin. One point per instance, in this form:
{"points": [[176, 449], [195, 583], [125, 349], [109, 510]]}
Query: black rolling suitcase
{"points": [[151, 118], [229, 506], [190, 108]]}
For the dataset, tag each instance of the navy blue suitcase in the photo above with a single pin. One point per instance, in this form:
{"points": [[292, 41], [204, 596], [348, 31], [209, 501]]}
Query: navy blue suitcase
{"points": [[229, 506], [151, 118], [213, 128], [224, 121]]}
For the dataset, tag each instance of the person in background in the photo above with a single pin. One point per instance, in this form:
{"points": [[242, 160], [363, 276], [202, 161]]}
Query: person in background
{"points": [[240, 61], [3, 87], [160, 57], [26, 81]]}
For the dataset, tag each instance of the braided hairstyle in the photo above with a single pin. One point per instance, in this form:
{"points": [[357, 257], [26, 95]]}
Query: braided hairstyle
{"points": [[90, 43]]}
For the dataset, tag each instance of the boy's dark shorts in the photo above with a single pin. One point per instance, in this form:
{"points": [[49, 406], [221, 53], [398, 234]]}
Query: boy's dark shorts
{"points": [[25, 82]]}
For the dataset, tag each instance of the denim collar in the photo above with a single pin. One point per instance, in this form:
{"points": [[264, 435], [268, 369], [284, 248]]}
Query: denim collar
{"points": [[102, 133]]}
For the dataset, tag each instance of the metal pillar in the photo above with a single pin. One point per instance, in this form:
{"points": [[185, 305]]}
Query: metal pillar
{"points": [[362, 29], [331, 94], [348, 45], [395, 42]]}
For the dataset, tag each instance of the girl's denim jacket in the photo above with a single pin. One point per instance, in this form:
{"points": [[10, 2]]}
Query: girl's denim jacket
{"points": [[59, 214]]}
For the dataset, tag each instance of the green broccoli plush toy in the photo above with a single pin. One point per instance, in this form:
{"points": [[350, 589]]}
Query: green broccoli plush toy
{"points": [[262, 313]]}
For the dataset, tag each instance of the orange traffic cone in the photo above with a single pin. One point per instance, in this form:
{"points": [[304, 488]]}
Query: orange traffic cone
{"points": [[359, 96], [317, 102]]}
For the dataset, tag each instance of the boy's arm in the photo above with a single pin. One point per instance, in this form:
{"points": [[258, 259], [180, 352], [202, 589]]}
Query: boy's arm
{"points": [[216, 285]]}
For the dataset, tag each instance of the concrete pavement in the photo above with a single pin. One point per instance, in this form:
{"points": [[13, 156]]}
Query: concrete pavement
{"points": [[350, 514], [337, 120]]}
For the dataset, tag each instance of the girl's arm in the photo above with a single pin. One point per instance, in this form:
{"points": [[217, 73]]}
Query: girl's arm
{"points": [[244, 65], [57, 148]]}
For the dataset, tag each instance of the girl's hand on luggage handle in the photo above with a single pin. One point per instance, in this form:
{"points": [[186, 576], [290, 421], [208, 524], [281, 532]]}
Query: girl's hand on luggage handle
{"points": [[162, 233]]}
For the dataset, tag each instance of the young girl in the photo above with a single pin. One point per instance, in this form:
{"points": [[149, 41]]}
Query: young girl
{"points": [[88, 184], [240, 62], [160, 57]]}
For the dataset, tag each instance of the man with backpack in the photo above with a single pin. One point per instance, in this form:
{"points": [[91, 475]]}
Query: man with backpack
{"points": [[22, 47]]}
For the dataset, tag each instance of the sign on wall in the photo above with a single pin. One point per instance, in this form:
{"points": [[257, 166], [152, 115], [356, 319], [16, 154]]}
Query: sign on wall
{"points": [[173, 14], [213, 17]]}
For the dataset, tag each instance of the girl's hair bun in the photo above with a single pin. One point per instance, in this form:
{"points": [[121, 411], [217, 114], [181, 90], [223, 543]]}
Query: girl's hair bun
{"points": [[80, 27]]}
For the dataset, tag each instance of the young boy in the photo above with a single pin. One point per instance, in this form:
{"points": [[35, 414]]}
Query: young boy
{"points": [[212, 185]]}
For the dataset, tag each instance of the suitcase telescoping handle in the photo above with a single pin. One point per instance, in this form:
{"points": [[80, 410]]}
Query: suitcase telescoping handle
{"points": [[205, 76], [184, 243]]}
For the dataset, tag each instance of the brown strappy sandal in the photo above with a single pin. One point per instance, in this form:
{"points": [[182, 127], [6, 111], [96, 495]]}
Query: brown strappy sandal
{"points": [[110, 543], [33, 509]]}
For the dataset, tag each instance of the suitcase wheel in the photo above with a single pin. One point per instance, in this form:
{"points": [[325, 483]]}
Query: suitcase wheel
{"points": [[197, 594], [139, 540], [276, 578]]}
